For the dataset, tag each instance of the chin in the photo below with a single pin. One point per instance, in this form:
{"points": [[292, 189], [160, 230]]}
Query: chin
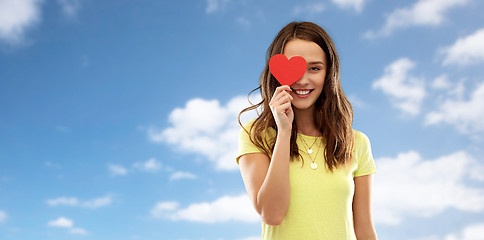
{"points": [[302, 106]]}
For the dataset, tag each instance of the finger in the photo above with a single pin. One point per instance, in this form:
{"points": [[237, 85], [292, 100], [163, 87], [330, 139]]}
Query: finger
{"points": [[286, 107], [283, 99], [285, 88], [281, 95], [278, 103], [281, 89]]}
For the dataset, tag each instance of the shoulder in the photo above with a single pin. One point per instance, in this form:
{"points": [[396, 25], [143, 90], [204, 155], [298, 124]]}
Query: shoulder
{"points": [[361, 140], [248, 128], [248, 124], [253, 140], [363, 155], [360, 136]]}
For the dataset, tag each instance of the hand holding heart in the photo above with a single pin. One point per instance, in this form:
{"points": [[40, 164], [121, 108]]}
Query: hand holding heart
{"points": [[281, 108], [287, 71]]}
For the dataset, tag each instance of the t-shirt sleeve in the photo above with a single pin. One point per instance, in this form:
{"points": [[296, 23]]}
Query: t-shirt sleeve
{"points": [[366, 164], [245, 145]]}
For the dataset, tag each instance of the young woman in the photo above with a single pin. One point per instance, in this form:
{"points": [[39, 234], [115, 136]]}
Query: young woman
{"points": [[306, 171]]}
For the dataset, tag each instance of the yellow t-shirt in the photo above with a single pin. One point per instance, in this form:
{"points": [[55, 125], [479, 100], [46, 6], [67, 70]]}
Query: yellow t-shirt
{"points": [[320, 205]]}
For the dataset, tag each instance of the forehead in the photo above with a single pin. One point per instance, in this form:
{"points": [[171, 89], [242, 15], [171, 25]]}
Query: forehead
{"points": [[306, 49]]}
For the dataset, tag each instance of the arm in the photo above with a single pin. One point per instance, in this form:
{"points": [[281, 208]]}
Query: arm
{"points": [[267, 181], [362, 218]]}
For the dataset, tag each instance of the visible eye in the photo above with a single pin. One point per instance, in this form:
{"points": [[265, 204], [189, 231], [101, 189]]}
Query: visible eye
{"points": [[314, 68]]}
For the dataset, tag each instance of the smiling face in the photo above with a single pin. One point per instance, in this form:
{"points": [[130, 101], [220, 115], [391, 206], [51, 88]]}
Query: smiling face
{"points": [[307, 89]]}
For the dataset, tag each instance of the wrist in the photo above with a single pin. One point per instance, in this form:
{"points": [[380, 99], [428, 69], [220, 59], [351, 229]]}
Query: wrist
{"points": [[284, 132]]}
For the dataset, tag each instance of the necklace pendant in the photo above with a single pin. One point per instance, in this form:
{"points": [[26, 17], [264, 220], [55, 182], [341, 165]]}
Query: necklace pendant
{"points": [[314, 165], [310, 151]]}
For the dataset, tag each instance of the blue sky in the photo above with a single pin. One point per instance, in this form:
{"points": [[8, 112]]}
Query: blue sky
{"points": [[117, 118]]}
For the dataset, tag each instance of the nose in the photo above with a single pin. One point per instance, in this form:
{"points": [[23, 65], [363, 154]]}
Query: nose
{"points": [[304, 80]]}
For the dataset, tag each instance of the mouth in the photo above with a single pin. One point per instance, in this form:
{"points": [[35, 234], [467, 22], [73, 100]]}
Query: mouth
{"points": [[302, 92]]}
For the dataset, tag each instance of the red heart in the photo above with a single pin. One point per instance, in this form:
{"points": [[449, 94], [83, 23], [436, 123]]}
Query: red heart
{"points": [[286, 71]]}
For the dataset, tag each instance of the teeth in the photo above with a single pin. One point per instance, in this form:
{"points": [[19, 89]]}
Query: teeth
{"points": [[302, 92]]}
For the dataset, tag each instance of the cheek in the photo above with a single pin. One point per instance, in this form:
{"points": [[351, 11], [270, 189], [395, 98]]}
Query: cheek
{"points": [[320, 81], [319, 77]]}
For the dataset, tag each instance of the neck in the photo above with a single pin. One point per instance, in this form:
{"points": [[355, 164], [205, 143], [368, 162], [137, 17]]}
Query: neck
{"points": [[305, 121]]}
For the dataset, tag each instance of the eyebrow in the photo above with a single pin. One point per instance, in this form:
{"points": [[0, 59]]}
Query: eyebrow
{"points": [[316, 62]]}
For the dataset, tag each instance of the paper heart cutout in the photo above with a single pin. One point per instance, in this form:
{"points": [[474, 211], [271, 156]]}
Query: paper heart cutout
{"points": [[287, 71]]}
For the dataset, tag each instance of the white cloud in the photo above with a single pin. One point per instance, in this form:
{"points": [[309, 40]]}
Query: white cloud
{"points": [[448, 89], [224, 209], [116, 170], [472, 232], [74, 202], [433, 237], [61, 222], [441, 82], [70, 8], [206, 128], [182, 175], [3, 216], [409, 185], [422, 13], [465, 115], [98, 202], [215, 5], [251, 238], [356, 101], [151, 165], [162, 209], [355, 4], [78, 231], [466, 50], [243, 22], [16, 17], [406, 92], [309, 8], [68, 201]]}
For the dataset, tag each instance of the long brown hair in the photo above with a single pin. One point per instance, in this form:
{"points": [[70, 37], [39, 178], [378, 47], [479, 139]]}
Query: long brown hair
{"points": [[334, 114]]}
